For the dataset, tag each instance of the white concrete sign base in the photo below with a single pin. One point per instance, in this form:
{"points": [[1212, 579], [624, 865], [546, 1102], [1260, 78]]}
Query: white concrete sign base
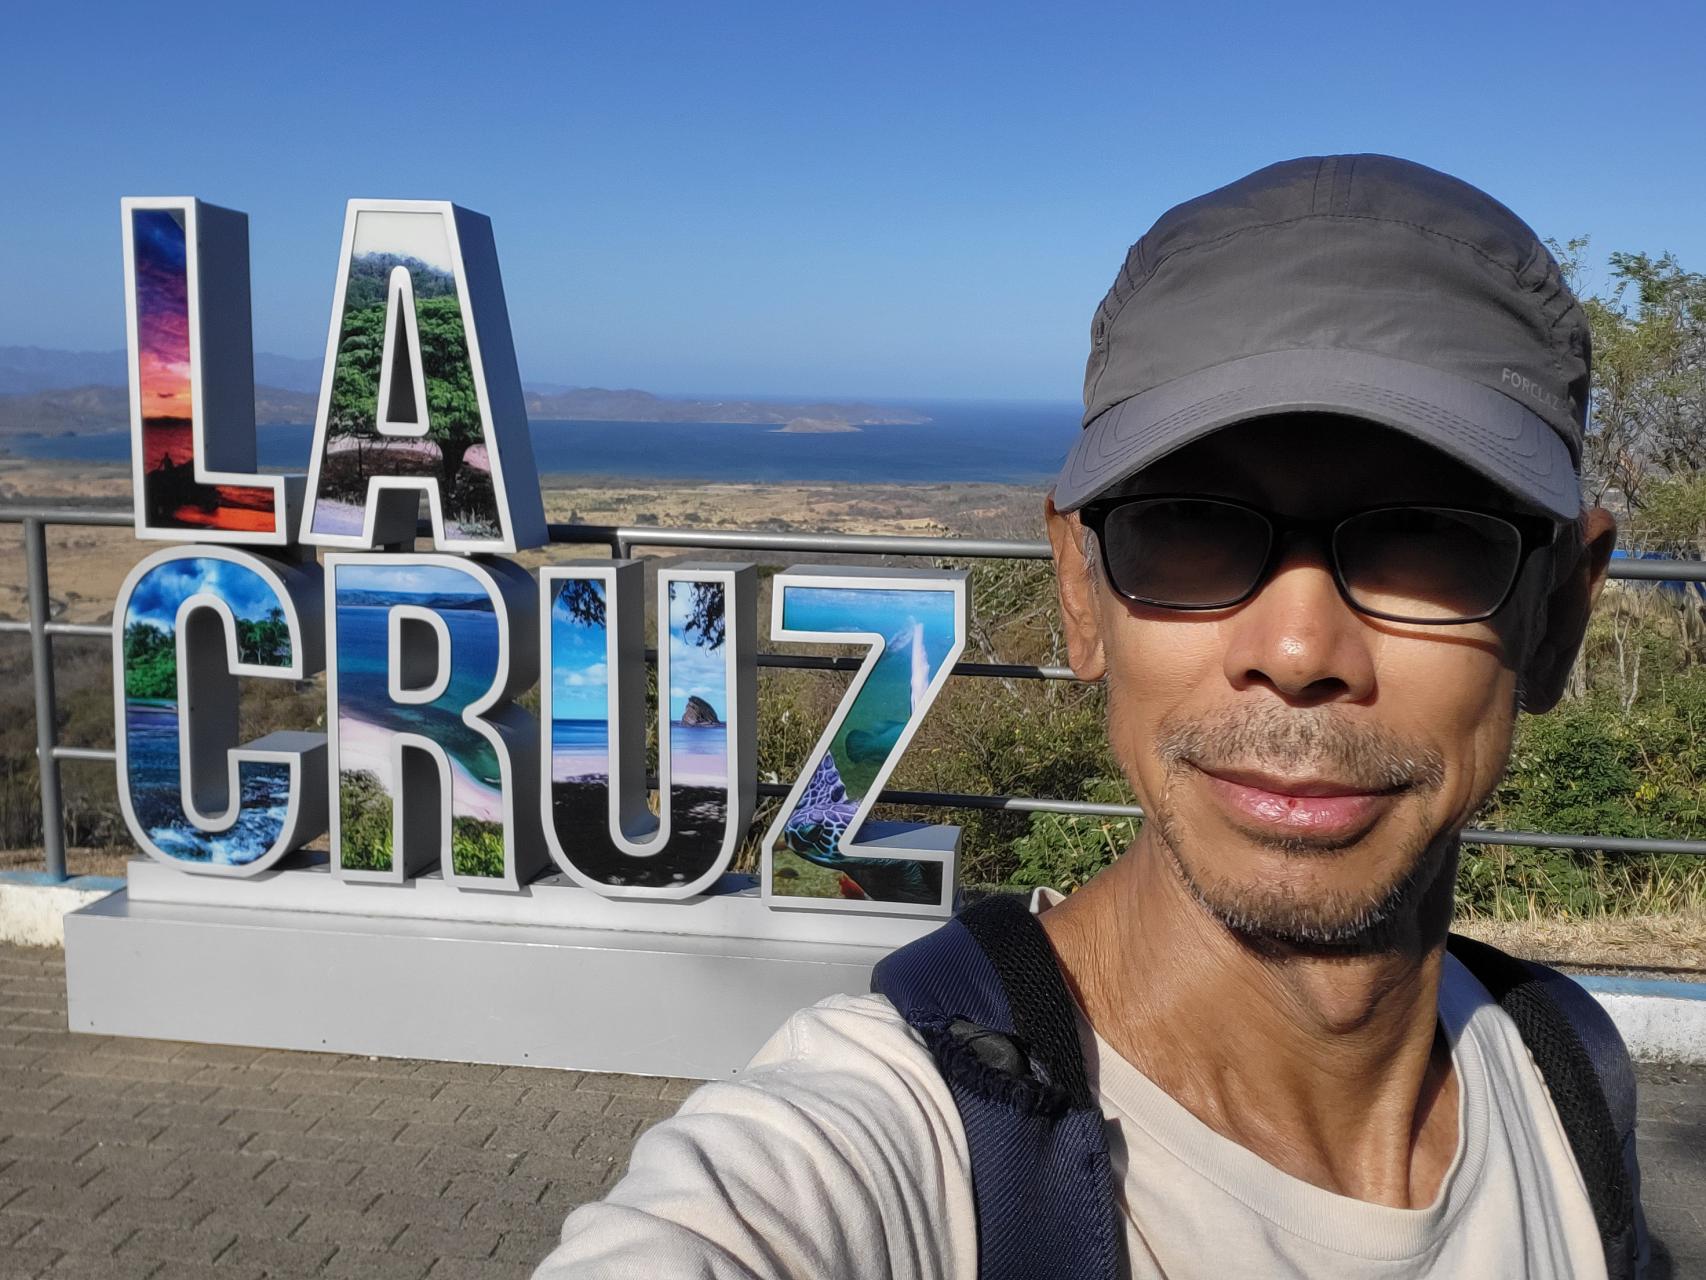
{"points": [[528, 991]]}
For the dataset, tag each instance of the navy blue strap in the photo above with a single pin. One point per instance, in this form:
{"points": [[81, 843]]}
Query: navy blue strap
{"points": [[986, 995]]}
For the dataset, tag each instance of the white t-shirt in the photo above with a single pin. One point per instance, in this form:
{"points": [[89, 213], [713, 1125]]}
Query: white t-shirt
{"points": [[838, 1154]]}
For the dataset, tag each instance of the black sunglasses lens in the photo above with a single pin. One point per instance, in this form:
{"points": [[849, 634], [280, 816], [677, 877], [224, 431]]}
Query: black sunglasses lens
{"points": [[1428, 564], [1185, 553]]}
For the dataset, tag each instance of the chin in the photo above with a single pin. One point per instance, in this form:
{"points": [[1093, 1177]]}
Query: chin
{"points": [[1354, 891]]}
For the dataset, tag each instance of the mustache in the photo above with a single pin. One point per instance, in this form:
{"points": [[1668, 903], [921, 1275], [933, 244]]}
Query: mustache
{"points": [[1318, 741]]}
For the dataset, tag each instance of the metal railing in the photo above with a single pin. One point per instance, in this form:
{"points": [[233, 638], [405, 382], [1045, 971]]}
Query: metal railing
{"points": [[621, 541]]}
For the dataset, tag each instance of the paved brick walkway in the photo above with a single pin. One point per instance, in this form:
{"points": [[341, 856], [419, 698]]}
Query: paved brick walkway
{"points": [[148, 1158]]}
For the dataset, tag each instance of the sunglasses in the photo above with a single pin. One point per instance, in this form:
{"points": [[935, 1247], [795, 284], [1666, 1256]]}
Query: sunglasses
{"points": [[1432, 565]]}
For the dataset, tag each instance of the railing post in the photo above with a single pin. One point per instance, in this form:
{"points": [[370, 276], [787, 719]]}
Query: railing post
{"points": [[47, 706]]}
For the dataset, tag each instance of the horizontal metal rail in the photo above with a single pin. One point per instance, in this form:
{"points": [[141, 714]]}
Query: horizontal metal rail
{"points": [[102, 629], [120, 516], [107, 754], [622, 540]]}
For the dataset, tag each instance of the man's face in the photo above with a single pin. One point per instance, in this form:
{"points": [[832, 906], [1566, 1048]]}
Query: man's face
{"points": [[1305, 765]]}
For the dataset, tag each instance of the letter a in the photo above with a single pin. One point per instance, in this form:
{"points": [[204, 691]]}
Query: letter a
{"points": [[420, 392]]}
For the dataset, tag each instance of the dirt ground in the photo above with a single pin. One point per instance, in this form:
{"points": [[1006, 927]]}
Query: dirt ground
{"points": [[86, 565], [1671, 946]]}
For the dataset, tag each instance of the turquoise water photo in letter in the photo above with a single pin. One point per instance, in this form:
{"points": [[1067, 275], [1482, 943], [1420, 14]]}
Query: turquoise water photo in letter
{"points": [[918, 627], [368, 719]]}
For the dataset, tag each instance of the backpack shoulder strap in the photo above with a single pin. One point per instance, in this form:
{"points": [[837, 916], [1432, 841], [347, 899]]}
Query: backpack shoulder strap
{"points": [[986, 995], [1587, 1071]]}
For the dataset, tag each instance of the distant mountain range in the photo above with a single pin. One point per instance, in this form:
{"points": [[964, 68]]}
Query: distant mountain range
{"points": [[596, 404], [24, 370], [80, 411], [48, 392]]}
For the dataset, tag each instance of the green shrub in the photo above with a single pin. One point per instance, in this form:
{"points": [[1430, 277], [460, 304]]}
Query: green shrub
{"points": [[1062, 851], [476, 847], [364, 821]]}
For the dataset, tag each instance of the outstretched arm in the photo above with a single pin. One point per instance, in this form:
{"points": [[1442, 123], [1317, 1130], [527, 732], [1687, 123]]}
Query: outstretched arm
{"points": [[837, 1153]]}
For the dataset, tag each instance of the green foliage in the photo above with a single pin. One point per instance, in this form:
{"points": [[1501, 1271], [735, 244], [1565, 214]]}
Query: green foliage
{"points": [[1031, 739], [452, 403], [364, 821], [1649, 399], [453, 407], [1590, 766], [265, 640], [1672, 517], [364, 816], [477, 847], [801, 879], [1063, 851], [150, 662]]}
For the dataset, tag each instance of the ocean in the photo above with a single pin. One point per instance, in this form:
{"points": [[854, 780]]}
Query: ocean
{"points": [[580, 752], [363, 661], [1002, 442], [153, 762]]}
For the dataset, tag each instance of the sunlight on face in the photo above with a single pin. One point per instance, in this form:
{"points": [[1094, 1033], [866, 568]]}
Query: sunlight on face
{"points": [[1306, 765]]}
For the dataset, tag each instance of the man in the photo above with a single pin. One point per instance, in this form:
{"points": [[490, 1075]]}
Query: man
{"points": [[1322, 537]]}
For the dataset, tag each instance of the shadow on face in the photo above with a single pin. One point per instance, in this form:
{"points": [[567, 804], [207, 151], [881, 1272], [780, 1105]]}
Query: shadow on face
{"points": [[1310, 464]]}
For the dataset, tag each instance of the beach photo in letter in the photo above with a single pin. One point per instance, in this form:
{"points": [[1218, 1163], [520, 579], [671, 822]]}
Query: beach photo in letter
{"points": [[424, 743], [605, 828]]}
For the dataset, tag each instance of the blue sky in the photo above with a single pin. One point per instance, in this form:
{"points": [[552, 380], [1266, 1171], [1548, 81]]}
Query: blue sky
{"points": [[581, 679], [580, 676], [161, 590], [874, 199], [694, 668]]}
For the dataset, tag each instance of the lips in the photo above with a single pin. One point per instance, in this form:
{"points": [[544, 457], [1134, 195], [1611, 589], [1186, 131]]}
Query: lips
{"points": [[1298, 806]]}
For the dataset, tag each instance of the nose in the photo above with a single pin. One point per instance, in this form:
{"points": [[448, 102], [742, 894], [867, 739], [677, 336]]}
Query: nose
{"points": [[1298, 637]]}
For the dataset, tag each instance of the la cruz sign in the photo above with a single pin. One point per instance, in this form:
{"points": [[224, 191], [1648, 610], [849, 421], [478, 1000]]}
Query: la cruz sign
{"points": [[427, 765]]}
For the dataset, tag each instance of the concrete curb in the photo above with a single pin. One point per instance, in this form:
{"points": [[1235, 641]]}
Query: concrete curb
{"points": [[1659, 1021], [33, 905]]}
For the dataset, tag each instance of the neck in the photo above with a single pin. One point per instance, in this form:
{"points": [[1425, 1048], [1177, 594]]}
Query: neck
{"points": [[1336, 1072]]}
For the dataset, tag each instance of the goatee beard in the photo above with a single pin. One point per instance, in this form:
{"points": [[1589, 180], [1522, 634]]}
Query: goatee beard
{"points": [[1318, 741]]}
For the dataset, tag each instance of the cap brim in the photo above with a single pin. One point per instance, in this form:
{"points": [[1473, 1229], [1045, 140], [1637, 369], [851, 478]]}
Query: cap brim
{"points": [[1482, 428]]}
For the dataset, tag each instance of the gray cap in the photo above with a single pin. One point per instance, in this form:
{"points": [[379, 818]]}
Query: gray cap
{"points": [[1362, 285]]}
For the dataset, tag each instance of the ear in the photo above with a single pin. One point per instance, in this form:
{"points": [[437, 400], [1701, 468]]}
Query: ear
{"points": [[1078, 585], [1566, 611]]}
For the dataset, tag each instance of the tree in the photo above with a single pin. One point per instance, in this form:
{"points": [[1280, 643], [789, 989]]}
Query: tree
{"points": [[264, 640], [705, 614], [583, 601], [150, 661], [1649, 403]]}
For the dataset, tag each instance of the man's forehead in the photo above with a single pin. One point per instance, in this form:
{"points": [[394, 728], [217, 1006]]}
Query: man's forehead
{"points": [[1315, 462]]}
